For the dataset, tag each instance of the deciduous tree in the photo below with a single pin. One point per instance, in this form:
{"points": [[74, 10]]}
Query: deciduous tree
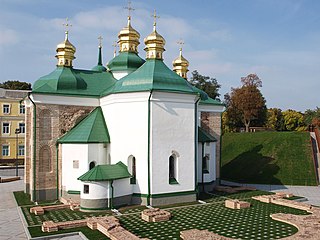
{"points": [[15, 85], [205, 83], [247, 101]]}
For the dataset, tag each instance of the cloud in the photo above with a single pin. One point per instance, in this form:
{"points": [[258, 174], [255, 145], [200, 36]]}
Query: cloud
{"points": [[8, 37]]}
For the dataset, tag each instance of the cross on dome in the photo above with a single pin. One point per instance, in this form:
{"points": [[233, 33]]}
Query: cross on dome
{"points": [[100, 38], [155, 17], [129, 8], [67, 26], [180, 43], [115, 45]]}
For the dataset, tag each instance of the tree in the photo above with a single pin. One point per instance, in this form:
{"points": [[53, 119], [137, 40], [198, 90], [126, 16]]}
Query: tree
{"points": [[312, 117], [293, 120], [247, 102], [15, 85], [275, 119], [206, 84]]}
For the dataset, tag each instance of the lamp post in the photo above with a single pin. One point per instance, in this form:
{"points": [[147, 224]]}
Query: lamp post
{"points": [[17, 132]]}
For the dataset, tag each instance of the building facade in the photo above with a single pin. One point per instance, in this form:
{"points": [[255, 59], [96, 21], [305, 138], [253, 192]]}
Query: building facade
{"points": [[133, 132], [12, 122]]}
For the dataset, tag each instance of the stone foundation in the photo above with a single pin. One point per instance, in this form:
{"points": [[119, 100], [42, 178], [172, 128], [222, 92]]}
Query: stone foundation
{"points": [[155, 215], [236, 204]]}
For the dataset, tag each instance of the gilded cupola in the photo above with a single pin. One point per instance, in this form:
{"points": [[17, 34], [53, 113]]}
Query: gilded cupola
{"points": [[180, 64], [154, 42], [128, 38], [65, 51]]}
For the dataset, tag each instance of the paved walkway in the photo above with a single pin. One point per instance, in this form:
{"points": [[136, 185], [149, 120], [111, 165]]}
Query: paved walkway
{"points": [[312, 193], [11, 227], [10, 223]]}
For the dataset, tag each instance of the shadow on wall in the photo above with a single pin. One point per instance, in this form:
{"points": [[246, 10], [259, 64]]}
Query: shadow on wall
{"points": [[251, 167]]}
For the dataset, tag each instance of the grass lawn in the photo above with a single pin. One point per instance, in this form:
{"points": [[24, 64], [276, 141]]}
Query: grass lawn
{"points": [[252, 223], [268, 158]]}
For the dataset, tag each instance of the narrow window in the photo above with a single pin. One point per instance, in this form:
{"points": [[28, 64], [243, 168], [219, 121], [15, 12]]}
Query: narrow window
{"points": [[22, 127], [205, 163], [86, 189], [92, 165], [6, 108], [172, 169], [21, 150], [5, 150], [22, 109], [5, 128], [133, 171]]}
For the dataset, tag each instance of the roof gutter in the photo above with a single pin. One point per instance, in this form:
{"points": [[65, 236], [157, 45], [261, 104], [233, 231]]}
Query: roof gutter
{"points": [[149, 126], [34, 147]]}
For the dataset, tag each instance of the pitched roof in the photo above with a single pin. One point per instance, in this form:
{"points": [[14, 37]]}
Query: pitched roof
{"points": [[91, 129], [70, 81], [153, 75], [210, 101], [106, 172], [125, 61], [204, 136]]}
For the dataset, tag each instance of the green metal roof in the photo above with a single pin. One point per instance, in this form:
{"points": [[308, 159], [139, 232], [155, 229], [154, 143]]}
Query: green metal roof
{"points": [[204, 136], [91, 129], [69, 81], [125, 61], [153, 75], [210, 101], [106, 172]]}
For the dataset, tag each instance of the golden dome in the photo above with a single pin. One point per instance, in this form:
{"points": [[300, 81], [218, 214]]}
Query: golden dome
{"points": [[154, 44], [65, 52], [180, 65], [128, 38]]}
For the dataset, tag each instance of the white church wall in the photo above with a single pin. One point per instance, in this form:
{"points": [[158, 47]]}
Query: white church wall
{"points": [[74, 164], [98, 153], [122, 187], [126, 116], [119, 75], [97, 190], [172, 131], [210, 150], [64, 100]]}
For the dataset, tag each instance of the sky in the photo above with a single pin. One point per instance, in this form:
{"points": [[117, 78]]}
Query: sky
{"points": [[279, 40]]}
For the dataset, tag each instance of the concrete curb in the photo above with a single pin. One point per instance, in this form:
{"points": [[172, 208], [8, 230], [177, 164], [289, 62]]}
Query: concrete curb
{"points": [[24, 222], [80, 234]]}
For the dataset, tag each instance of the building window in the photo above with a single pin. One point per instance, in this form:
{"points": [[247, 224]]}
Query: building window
{"points": [[86, 189], [21, 150], [92, 165], [5, 150], [75, 163], [22, 109], [205, 163], [22, 128], [172, 169], [6, 108], [132, 169], [6, 128]]}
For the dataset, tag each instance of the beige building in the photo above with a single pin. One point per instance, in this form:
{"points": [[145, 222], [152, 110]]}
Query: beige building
{"points": [[12, 122]]}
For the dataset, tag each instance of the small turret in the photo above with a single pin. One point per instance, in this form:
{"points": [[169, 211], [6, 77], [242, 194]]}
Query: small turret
{"points": [[180, 64]]}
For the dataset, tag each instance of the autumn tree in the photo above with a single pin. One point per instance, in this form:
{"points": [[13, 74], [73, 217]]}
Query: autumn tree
{"points": [[205, 83], [247, 102], [293, 120], [15, 85], [312, 117], [275, 119]]}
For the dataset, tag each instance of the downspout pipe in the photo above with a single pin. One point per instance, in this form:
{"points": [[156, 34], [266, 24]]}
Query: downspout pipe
{"points": [[149, 136], [57, 171], [202, 172], [112, 193], [196, 145], [34, 146]]}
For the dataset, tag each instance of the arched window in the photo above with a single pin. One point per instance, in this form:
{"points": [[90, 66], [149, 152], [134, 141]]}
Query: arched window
{"points": [[205, 163], [45, 159], [173, 169], [132, 169], [92, 165]]}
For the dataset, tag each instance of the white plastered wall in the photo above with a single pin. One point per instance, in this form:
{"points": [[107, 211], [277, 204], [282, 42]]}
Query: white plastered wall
{"points": [[126, 116], [84, 154], [172, 131], [97, 190]]}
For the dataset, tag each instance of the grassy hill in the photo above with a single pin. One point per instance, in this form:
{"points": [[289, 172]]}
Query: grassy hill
{"points": [[268, 158]]}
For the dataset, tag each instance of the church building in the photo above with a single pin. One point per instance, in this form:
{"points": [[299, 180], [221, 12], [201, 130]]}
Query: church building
{"points": [[133, 132]]}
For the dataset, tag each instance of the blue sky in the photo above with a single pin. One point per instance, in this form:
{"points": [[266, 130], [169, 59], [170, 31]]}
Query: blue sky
{"points": [[227, 39]]}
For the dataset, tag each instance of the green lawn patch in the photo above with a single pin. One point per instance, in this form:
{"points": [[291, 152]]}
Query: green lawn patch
{"points": [[268, 158], [22, 198]]}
